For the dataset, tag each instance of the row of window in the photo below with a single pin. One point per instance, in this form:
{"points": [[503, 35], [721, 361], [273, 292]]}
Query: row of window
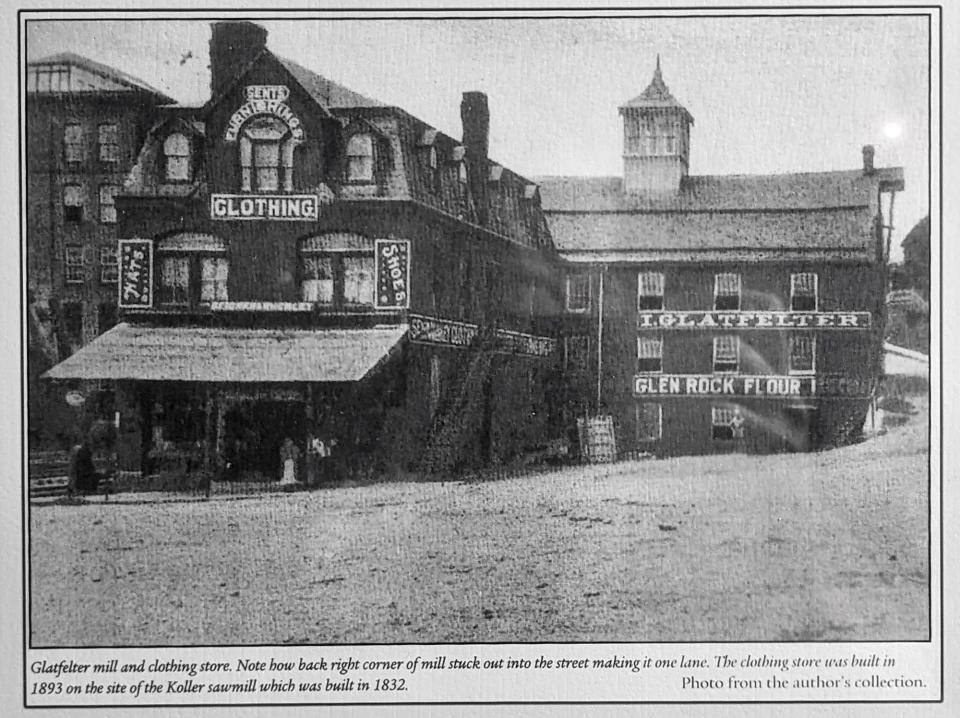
{"points": [[74, 201], [650, 137], [726, 422], [727, 292], [75, 143], [726, 354], [75, 259]]}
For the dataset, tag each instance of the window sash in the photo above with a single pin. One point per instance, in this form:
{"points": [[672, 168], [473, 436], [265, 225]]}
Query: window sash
{"points": [[175, 280], [578, 292], [108, 143], [358, 280], [576, 352], [108, 207], [804, 286], [650, 284], [317, 282], [73, 143], [803, 353], [726, 353], [109, 267], [649, 348], [73, 195], [649, 421], [213, 279], [360, 158], [73, 265], [725, 416]]}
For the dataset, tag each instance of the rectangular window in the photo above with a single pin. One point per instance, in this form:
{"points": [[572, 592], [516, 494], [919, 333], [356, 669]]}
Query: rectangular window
{"points": [[360, 158], [108, 265], [726, 292], [72, 203], [803, 351], [73, 265], [726, 354], [108, 142], [435, 385], [358, 280], [266, 164], [106, 317], [176, 150], [727, 423], [317, 283], [578, 293], [175, 280], [649, 291], [649, 421], [108, 207], [73, 144], [213, 279], [803, 292], [72, 313], [649, 354], [576, 353]]}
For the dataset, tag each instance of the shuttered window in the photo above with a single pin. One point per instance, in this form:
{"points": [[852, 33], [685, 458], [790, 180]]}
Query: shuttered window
{"points": [[803, 349], [727, 423], [650, 291], [108, 142], [649, 354], [578, 293], [803, 292]]}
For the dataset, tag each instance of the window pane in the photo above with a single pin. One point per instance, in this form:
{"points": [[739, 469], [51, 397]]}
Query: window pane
{"points": [[175, 280], [358, 280], [649, 422], [360, 157], [802, 352], [73, 195], [108, 209], [726, 353], [73, 265], [73, 143], [213, 279], [266, 162], [578, 292], [108, 265], [727, 292], [803, 292], [178, 168]]}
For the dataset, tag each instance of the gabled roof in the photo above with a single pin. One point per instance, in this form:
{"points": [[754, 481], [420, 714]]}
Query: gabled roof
{"points": [[326, 92], [708, 193], [100, 77]]}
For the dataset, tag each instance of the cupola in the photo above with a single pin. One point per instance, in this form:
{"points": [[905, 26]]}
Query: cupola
{"points": [[656, 140]]}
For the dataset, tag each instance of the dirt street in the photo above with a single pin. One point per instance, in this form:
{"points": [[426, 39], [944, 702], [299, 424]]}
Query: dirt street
{"points": [[828, 546]]}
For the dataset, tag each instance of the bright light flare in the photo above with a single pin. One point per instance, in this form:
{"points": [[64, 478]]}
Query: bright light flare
{"points": [[892, 130]]}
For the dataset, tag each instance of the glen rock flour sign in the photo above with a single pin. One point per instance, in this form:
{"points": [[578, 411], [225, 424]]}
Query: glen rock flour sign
{"points": [[392, 269], [135, 288]]}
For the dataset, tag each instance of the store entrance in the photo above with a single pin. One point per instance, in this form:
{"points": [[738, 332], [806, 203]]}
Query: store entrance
{"points": [[253, 434], [802, 427]]}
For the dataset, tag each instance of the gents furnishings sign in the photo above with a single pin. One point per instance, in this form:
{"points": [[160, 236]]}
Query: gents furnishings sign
{"points": [[136, 274], [754, 320], [392, 269], [265, 100]]}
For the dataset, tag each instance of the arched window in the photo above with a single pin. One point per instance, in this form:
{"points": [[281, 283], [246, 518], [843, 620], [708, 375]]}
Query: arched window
{"points": [[360, 158], [176, 153], [266, 156]]}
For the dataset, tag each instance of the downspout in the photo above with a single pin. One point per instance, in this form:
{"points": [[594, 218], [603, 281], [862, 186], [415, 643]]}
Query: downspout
{"points": [[603, 269]]}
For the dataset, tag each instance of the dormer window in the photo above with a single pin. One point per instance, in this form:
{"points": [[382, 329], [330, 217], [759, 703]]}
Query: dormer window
{"points": [[360, 158], [266, 156], [176, 154]]}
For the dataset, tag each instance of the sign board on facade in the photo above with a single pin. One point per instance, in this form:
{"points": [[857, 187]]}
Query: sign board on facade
{"points": [[752, 386], [392, 270], [265, 100], [754, 320], [284, 207], [433, 330], [135, 288]]}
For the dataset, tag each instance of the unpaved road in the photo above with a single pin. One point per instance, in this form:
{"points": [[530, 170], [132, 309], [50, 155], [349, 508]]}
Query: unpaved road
{"points": [[829, 546]]}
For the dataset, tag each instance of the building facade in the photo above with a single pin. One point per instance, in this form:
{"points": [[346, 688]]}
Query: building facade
{"points": [[719, 313], [300, 261], [84, 125]]}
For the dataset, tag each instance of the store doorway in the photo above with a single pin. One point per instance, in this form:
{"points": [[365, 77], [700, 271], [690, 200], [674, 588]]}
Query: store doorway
{"points": [[253, 434], [802, 428]]}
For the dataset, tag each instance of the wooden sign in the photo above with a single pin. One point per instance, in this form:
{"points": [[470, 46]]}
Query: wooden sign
{"points": [[135, 287], [392, 270]]}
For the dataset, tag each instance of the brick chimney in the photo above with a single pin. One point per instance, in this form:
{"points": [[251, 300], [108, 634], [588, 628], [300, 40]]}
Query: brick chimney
{"points": [[233, 45], [475, 116], [868, 168]]}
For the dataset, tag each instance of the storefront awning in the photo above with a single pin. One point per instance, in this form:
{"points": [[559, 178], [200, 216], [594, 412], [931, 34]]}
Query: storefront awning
{"points": [[230, 355]]}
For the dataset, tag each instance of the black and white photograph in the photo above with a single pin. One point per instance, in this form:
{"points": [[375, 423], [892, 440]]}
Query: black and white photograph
{"points": [[543, 331]]}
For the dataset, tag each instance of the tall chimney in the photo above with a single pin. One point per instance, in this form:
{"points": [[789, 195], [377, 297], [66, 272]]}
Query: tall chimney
{"points": [[868, 168], [233, 45], [475, 116]]}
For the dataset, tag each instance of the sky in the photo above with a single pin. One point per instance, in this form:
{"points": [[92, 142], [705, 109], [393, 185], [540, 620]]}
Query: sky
{"points": [[768, 95]]}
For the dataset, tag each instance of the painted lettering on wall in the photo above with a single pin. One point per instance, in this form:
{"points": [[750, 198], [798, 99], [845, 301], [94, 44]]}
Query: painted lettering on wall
{"points": [[754, 320], [136, 274], [392, 270], [264, 100], [756, 386], [289, 207]]}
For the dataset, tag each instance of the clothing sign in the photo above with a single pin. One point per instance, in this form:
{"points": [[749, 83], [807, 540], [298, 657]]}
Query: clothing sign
{"points": [[136, 274], [392, 273], [754, 320], [264, 100], [752, 386], [288, 207]]}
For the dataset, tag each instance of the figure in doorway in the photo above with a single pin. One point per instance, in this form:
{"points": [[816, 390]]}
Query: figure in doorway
{"points": [[289, 455], [319, 450]]}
